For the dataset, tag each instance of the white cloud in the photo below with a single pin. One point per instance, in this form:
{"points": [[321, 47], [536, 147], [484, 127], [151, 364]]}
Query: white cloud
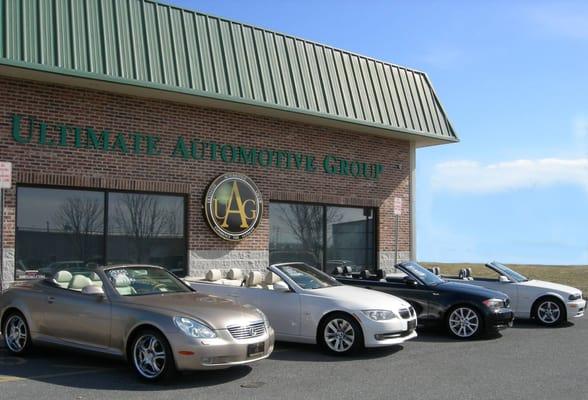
{"points": [[472, 177]]}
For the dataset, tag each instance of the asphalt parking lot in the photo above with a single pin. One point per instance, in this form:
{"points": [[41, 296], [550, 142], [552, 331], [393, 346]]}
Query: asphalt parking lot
{"points": [[524, 362]]}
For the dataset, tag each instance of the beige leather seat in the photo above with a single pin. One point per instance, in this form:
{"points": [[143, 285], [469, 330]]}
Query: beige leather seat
{"points": [[122, 284], [96, 281], [79, 282], [270, 279], [254, 280], [63, 278], [213, 275]]}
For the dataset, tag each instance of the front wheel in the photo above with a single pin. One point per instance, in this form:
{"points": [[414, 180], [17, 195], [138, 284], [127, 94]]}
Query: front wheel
{"points": [[339, 334], [151, 356], [16, 334], [549, 312], [464, 322]]}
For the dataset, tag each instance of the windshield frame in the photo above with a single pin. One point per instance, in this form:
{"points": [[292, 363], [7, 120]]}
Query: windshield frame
{"points": [[405, 267], [314, 272], [112, 287], [511, 274]]}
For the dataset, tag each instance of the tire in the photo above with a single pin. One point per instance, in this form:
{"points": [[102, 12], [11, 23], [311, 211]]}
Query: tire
{"points": [[16, 333], [549, 311], [340, 334], [464, 322], [151, 357]]}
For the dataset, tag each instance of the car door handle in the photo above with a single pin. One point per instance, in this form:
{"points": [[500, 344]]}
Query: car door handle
{"points": [[50, 299]]}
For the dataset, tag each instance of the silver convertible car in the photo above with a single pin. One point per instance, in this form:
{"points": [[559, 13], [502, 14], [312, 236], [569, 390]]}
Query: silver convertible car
{"points": [[139, 312], [306, 305]]}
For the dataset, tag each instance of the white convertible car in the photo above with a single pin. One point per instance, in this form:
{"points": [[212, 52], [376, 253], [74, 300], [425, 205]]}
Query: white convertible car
{"points": [[548, 303], [306, 305]]}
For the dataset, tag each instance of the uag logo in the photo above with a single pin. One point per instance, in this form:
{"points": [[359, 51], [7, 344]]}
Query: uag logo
{"points": [[233, 206]]}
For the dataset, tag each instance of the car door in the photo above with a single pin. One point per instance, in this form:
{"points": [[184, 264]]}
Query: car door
{"points": [[79, 318], [281, 308]]}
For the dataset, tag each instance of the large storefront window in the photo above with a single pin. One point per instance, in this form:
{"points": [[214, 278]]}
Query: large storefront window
{"points": [[66, 229], [322, 236]]}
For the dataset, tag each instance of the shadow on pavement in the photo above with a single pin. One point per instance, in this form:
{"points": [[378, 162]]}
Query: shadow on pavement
{"points": [[531, 324], [89, 371], [438, 335], [311, 352]]}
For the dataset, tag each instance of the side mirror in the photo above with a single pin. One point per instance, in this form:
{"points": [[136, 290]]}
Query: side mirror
{"points": [[94, 290], [281, 286], [409, 281], [503, 279]]}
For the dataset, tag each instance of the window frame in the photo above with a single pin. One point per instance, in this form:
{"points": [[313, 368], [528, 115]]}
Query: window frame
{"points": [[376, 218], [105, 192]]}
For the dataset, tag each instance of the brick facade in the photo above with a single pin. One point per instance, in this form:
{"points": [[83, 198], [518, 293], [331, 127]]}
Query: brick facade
{"points": [[84, 168]]}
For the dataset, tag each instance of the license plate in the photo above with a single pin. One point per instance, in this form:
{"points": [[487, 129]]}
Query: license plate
{"points": [[255, 349], [411, 325]]}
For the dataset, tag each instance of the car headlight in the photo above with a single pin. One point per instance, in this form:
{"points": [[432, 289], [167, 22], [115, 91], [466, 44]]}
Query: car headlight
{"points": [[194, 328], [379, 315], [494, 304], [576, 296]]}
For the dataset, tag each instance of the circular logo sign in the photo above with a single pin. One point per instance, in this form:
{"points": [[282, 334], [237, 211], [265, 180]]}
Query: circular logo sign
{"points": [[233, 206]]}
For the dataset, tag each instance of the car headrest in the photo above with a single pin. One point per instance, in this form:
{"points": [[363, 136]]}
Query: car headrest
{"points": [[63, 276], [122, 281], [468, 272], [347, 270], [462, 273], [380, 274], [79, 282], [338, 271], [437, 271], [213, 275], [365, 274], [271, 278], [94, 276], [254, 278], [235, 274]]}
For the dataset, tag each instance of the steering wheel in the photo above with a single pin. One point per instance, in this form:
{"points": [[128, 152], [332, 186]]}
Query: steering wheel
{"points": [[159, 286]]}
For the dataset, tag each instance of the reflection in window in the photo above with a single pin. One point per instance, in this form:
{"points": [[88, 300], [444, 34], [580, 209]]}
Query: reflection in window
{"points": [[350, 238], [146, 229], [58, 229], [322, 236], [296, 233], [61, 229]]}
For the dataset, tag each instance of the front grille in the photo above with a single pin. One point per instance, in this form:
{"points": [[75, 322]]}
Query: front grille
{"points": [[252, 330], [406, 313]]}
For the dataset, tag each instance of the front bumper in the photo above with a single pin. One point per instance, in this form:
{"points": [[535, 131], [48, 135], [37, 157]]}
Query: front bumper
{"points": [[576, 308], [224, 351], [500, 319], [386, 333]]}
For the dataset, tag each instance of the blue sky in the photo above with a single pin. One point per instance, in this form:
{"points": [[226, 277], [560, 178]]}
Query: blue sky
{"points": [[513, 77]]}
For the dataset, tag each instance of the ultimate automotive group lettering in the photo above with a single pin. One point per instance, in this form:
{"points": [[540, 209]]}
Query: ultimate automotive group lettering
{"points": [[30, 130]]}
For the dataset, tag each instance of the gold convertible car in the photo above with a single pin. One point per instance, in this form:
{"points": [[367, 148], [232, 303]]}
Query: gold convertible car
{"points": [[139, 312]]}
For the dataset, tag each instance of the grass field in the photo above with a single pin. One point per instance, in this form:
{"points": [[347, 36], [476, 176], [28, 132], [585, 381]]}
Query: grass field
{"points": [[576, 276]]}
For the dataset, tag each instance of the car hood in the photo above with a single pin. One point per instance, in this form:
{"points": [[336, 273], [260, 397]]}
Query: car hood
{"points": [[534, 283], [472, 290], [216, 311], [360, 299]]}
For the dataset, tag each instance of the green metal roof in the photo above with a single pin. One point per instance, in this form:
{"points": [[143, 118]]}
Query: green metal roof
{"points": [[150, 44]]}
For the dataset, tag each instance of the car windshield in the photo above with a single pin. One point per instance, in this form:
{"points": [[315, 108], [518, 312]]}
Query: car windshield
{"points": [[422, 274], [509, 273], [308, 277], [139, 281]]}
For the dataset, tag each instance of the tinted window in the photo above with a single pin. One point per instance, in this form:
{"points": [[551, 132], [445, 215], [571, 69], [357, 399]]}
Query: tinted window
{"points": [[58, 230], [146, 229]]}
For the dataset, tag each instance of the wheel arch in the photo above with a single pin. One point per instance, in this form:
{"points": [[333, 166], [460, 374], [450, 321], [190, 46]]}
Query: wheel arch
{"points": [[468, 304], [549, 295], [135, 330], [328, 314]]}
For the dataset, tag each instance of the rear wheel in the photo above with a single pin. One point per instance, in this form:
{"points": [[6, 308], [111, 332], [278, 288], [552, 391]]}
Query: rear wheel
{"points": [[16, 334], [549, 312], [340, 334], [464, 322], [151, 356]]}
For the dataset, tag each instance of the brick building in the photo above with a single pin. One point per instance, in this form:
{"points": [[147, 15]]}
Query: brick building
{"points": [[117, 120]]}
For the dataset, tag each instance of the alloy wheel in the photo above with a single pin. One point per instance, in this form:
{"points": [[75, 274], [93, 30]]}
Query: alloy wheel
{"points": [[16, 333], [149, 356], [464, 322], [339, 335], [548, 312]]}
